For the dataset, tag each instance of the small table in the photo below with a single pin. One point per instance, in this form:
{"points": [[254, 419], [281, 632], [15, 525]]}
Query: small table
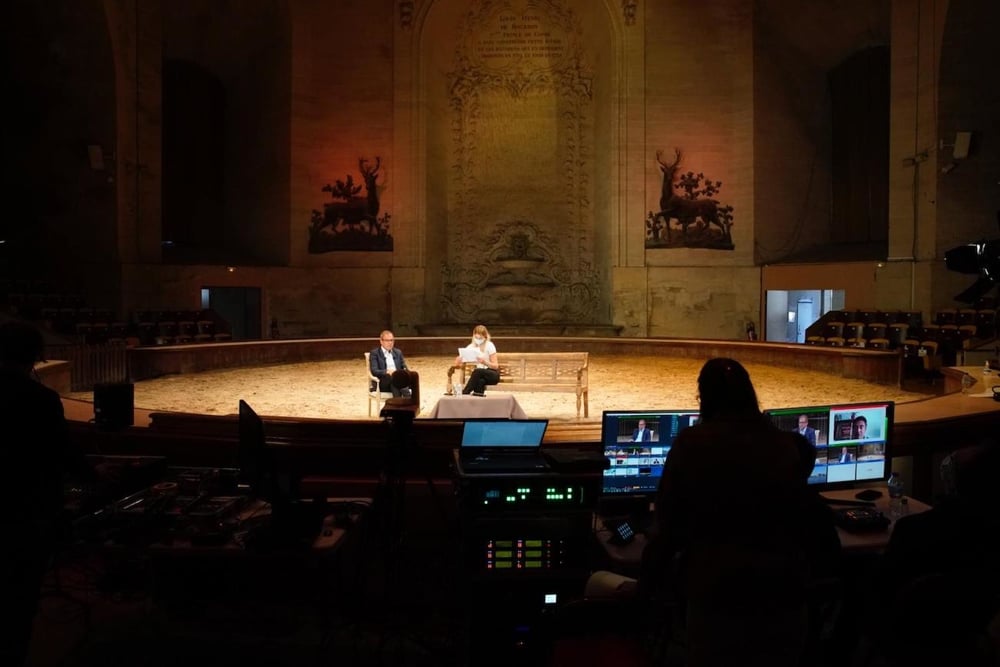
{"points": [[626, 558], [503, 406], [875, 541]]}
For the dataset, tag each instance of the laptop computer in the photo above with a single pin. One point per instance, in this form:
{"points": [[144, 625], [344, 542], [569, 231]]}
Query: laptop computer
{"points": [[502, 446]]}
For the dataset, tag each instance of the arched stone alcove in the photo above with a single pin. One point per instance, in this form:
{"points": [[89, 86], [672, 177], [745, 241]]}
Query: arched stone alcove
{"points": [[515, 151]]}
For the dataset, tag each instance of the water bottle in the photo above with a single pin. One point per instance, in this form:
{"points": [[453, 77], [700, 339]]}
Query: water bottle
{"points": [[895, 485]]}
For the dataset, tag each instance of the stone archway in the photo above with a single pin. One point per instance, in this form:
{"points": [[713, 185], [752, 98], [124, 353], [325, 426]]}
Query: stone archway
{"points": [[515, 135]]}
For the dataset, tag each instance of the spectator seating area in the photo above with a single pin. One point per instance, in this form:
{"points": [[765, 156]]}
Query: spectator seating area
{"points": [[864, 328], [926, 347], [168, 327], [68, 316]]}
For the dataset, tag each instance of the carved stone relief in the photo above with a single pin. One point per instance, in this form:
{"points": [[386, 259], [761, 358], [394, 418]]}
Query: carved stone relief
{"points": [[406, 9], [520, 278], [521, 100]]}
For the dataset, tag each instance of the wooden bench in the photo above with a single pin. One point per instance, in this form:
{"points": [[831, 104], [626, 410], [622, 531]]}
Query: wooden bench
{"points": [[541, 371]]}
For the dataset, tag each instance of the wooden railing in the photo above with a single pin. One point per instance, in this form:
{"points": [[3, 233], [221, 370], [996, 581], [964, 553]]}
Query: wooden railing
{"points": [[92, 364]]}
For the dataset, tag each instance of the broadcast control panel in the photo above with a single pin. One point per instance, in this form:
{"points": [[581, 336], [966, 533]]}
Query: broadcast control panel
{"points": [[525, 553], [520, 494]]}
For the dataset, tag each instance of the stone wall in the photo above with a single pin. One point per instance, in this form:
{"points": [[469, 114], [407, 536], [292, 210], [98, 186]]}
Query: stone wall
{"points": [[516, 146]]}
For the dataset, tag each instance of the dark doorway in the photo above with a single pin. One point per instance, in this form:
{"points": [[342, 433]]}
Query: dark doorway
{"points": [[239, 306]]}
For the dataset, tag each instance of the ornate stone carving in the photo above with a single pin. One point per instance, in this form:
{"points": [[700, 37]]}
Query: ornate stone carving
{"points": [[523, 57], [522, 278], [406, 9], [628, 11]]}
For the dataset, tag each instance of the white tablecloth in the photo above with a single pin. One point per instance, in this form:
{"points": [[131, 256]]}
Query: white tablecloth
{"points": [[503, 406]]}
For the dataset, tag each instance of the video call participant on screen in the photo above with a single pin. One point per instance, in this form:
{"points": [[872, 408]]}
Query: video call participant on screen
{"points": [[845, 456], [641, 433], [37, 454], [860, 427], [807, 431], [731, 528]]}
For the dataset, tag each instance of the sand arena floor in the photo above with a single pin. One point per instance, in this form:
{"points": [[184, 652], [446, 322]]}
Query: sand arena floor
{"points": [[336, 389]]}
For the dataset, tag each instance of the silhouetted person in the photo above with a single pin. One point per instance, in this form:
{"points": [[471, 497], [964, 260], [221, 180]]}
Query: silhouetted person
{"points": [[742, 534], [36, 454], [940, 578], [737, 538]]}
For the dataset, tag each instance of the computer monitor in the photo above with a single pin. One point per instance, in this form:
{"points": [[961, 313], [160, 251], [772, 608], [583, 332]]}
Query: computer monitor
{"points": [[503, 433], [853, 441], [636, 443], [252, 452]]}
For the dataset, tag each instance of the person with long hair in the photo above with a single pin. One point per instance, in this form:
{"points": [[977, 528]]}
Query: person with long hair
{"points": [[487, 369], [737, 534], [738, 531]]}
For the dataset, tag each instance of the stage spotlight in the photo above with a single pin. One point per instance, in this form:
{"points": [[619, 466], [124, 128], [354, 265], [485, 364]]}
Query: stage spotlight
{"points": [[981, 258]]}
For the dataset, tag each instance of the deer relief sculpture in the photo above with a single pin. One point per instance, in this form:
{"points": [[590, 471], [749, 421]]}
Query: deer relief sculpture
{"points": [[351, 219], [687, 210], [354, 211]]}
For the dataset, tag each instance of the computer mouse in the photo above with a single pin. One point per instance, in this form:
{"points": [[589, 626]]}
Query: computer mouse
{"points": [[868, 494]]}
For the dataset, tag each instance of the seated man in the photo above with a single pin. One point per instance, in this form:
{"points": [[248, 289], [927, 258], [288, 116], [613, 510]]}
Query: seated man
{"points": [[641, 433], [384, 361]]}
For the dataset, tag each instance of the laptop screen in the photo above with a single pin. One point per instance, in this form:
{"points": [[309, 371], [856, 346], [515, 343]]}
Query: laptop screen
{"points": [[852, 440], [637, 442], [504, 433]]}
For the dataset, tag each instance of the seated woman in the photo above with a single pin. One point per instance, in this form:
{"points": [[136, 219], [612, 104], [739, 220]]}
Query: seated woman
{"points": [[738, 535], [487, 369]]}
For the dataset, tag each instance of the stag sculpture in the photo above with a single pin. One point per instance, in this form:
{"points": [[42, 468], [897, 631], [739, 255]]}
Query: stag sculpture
{"points": [[685, 211], [354, 211]]}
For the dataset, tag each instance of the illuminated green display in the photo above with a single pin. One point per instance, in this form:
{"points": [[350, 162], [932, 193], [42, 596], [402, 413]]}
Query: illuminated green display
{"points": [[533, 554], [530, 564], [504, 564], [505, 543], [532, 543], [504, 554]]}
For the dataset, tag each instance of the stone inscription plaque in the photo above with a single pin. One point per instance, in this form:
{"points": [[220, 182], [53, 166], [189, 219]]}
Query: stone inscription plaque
{"points": [[518, 40]]}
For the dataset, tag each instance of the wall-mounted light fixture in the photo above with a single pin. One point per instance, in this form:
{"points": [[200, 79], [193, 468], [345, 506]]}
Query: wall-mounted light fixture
{"points": [[963, 141], [960, 147]]}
